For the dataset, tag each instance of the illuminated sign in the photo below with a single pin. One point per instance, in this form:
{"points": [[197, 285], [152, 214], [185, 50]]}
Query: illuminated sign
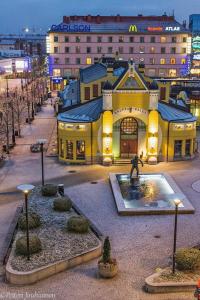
{"points": [[133, 28], [196, 56], [172, 28], [71, 28], [155, 28]]}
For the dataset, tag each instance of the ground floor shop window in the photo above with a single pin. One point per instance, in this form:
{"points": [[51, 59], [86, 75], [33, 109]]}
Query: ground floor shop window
{"points": [[61, 148], [177, 148], [69, 150], [80, 150], [187, 147]]}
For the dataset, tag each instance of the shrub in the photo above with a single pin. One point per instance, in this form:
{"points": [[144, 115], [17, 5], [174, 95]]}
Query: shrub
{"points": [[106, 257], [62, 204], [78, 224], [187, 259], [33, 221], [34, 245], [49, 190]]}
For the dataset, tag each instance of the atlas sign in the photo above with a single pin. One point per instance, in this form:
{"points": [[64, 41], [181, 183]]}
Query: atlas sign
{"points": [[170, 28], [133, 28]]}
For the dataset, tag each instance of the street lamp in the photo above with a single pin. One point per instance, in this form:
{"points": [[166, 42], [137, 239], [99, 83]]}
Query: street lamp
{"points": [[176, 202], [26, 189], [42, 142]]}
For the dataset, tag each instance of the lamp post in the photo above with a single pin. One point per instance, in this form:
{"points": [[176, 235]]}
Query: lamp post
{"points": [[42, 142], [176, 202], [26, 189]]}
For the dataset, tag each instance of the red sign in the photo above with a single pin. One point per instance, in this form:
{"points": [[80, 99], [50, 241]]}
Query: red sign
{"points": [[155, 28]]}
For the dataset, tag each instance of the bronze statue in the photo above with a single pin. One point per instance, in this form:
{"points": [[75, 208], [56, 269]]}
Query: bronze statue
{"points": [[135, 162]]}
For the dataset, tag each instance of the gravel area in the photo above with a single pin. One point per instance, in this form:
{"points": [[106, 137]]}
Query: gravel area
{"points": [[57, 243]]}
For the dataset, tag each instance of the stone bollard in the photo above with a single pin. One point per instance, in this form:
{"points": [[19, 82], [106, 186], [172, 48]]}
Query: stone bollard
{"points": [[61, 190]]}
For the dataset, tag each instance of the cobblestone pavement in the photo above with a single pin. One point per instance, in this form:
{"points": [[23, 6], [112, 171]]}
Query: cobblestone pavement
{"points": [[133, 241]]}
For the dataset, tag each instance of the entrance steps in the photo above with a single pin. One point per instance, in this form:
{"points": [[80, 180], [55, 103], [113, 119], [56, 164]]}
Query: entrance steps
{"points": [[122, 161]]}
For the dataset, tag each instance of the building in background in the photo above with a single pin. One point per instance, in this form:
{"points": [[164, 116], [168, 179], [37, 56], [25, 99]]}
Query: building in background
{"points": [[194, 25], [159, 42], [15, 65]]}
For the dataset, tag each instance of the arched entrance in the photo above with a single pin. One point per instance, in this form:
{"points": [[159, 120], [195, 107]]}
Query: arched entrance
{"points": [[128, 137]]}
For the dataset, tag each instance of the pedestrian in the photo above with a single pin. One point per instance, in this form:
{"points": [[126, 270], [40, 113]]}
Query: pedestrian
{"points": [[197, 291]]}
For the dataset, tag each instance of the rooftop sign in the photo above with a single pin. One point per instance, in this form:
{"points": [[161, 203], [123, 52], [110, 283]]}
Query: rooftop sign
{"points": [[133, 28], [172, 28], [71, 28], [155, 28]]}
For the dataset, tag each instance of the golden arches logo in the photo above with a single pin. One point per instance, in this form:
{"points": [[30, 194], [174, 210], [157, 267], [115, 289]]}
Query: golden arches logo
{"points": [[133, 28]]}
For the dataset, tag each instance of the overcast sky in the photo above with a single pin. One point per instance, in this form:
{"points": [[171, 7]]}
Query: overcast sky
{"points": [[16, 14]]}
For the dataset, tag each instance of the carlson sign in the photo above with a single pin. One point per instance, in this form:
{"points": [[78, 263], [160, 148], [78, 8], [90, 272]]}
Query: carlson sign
{"points": [[169, 28], [133, 28], [71, 28]]}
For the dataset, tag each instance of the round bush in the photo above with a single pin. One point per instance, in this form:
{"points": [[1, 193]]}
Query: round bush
{"points": [[187, 259], [62, 204], [49, 190], [33, 221], [78, 224], [35, 245]]}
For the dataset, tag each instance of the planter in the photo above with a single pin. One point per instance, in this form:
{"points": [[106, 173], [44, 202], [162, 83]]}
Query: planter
{"points": [[108, 270]]}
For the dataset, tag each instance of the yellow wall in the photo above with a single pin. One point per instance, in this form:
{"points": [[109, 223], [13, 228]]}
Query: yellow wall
{"points": [[140, 100]]}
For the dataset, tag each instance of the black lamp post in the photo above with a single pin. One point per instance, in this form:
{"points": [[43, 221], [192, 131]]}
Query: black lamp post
{"points": [[42, 142], [26, 189], [176, 202]]}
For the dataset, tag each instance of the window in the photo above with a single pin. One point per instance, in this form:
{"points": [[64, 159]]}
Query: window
{"points": [[121, 50], [78, 50], [66, 39], [69, 150], [152, 72], [183, 61], [55, 49], [152, 50], [162, 61], [56, 60], [99, 39], [95, 90], [177, 148], [88, 61], [152, 39], [55, 39], [87, 93], [88, 50], [110, 39], [142, 49], [162, 72], [163, 39], [141, 60], [78, 61], [152, 61], [173, 50], [162, 93], [99, 49], [56, 72], [183, 50], [131, 50], [66, 49], [172, 72], [88, 39], [163, 50], [80, 150], [121, 39], [131, 39], [142, 39], [78, 39], [110, 50], [184, 39], [61, 148], [172, 61], [187, 147], [173, 39], [67, 60]]}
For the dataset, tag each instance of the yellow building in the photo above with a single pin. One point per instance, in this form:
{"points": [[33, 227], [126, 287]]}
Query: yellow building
{"points": [[122, 113]]}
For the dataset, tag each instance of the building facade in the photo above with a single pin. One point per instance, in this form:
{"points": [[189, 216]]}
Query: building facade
{"points": [[160, 42], [118, 113]]}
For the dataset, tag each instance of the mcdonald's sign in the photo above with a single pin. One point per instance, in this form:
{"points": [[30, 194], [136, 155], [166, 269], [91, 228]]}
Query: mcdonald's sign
{"points": [[133, 28]]}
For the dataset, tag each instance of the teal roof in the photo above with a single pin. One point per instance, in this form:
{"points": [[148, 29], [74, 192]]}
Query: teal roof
{"points": [[175, 115], [93, 73], [83, 113]]}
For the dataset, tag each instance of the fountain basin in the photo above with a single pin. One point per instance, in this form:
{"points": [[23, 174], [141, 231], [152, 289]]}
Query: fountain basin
{"points": [[151, 193]]}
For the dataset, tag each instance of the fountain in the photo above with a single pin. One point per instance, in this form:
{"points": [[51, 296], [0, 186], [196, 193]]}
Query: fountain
{"points": [[147, 193]]}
